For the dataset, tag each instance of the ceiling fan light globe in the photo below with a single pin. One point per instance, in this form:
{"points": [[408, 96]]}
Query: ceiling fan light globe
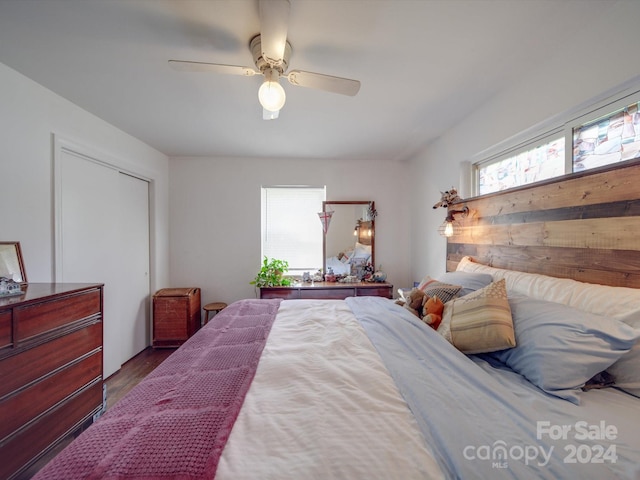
{"points": [[271, 96]]}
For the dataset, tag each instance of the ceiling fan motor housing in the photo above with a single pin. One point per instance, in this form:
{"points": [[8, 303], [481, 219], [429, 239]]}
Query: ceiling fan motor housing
{"points": [[261, 64]]}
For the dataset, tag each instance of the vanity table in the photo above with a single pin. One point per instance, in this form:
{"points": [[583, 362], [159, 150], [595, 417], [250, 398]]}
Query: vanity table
{"points": [[349, 234], [328, 290]]}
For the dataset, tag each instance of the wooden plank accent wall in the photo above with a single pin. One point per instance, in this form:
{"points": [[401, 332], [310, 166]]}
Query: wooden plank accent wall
{"points": [[583, 226]]}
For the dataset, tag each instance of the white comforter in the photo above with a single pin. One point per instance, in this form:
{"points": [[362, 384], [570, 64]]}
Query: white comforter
{"points": [[318, 405]]}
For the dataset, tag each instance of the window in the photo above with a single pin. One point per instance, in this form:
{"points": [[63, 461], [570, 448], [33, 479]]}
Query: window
{"points": [[528, 166], [611, 139], [291, 228], [608, 133]]}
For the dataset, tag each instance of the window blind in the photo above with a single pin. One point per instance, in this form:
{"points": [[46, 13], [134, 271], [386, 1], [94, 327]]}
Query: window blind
{"points": [[291, 228]]}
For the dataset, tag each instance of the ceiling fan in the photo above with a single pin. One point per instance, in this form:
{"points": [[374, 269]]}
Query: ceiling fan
{"points": [[271, 52]]}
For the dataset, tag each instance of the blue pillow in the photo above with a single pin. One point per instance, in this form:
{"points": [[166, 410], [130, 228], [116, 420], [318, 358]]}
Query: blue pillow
{"points": [[559, 348], [469, 281]]}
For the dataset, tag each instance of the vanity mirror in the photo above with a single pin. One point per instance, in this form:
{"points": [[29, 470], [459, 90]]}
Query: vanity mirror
{"points": [[11, 264], [349, 242]]}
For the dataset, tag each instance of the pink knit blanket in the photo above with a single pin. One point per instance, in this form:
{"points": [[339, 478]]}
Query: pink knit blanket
{"points": [[176, 422]]}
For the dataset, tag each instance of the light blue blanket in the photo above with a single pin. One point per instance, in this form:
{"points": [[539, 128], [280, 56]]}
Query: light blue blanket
{"points": [[483, 421]]}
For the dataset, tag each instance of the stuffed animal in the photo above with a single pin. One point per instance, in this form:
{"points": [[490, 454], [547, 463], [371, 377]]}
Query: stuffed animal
{"points": [[432, 311], [449, 197], [414, 301]]}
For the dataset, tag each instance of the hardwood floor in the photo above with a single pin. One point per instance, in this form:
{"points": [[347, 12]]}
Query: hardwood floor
{"points": [[133, 371], [118, 385]]}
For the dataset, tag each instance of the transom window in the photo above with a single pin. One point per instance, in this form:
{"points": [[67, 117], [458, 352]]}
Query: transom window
{"points": [[528, 166], [614, 138], [605, 135]]}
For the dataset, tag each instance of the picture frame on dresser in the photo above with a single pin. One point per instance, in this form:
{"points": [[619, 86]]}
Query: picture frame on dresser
{"points": [[12, 263]]}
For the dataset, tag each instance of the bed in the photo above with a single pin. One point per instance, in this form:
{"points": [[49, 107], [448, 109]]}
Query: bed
{"points": [[348, 261], [529, 375], [362, 388]]}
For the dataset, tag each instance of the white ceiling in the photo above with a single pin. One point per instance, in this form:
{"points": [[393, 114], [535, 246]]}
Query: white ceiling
{"points": [[423, 65]]}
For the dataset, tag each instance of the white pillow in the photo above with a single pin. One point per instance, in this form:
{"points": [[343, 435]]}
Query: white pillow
{"points": [[361, 251], [610, 302]]}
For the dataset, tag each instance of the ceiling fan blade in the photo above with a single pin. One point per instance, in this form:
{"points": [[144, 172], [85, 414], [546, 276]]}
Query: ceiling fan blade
{"points": [[274, 23], [343, 86], [269, 115], [212, 68]]}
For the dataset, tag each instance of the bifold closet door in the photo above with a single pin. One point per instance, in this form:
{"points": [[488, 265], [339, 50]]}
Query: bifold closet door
{"points": [[103, 235]]}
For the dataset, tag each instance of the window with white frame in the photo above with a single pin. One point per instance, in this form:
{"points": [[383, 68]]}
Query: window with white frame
{"points": [[610, 139], [528, 165], [608, 133], [291, 227]]}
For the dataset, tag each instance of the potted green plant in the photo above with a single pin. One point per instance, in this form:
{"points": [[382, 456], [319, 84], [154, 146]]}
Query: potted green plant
{"points": [[272, 274]]}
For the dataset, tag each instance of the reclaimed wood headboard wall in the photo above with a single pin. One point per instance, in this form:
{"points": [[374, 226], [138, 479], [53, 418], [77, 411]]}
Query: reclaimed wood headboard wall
{"points": [[584, 226]]}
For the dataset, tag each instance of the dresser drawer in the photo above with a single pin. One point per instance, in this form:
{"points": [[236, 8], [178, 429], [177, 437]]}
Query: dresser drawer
{"points": [[49, 428], [32, 364], [36, 319], [327, 293], [275, 292], [375, 292], [35, 399], [5, 329]]}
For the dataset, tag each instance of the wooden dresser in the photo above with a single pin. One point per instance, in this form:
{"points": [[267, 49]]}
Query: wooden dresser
{"points": [[50, 368], [176, 316], [328, 291]]}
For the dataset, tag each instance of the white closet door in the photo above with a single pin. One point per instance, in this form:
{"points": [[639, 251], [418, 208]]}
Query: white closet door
{"points": [[88, 238], [134, 263], [102, 223]]}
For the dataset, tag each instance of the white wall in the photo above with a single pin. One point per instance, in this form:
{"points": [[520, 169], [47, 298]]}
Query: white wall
{"points": [[599, 63], [29, 116], [215, 216]]}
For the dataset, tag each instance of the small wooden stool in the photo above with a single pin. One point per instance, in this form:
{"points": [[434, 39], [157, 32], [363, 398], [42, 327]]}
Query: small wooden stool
{"points": [[214, 308]]}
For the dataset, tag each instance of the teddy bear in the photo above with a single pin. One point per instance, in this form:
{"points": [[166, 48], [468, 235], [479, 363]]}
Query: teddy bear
{"points": [[432, 311], [414, 301]]}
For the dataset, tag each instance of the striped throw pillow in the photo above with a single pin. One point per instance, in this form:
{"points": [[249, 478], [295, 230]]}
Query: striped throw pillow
{"points": [[480, 322]]}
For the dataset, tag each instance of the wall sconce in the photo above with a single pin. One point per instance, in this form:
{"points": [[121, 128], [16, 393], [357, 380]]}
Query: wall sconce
{"points": [[450, 226], [364, 233]]}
